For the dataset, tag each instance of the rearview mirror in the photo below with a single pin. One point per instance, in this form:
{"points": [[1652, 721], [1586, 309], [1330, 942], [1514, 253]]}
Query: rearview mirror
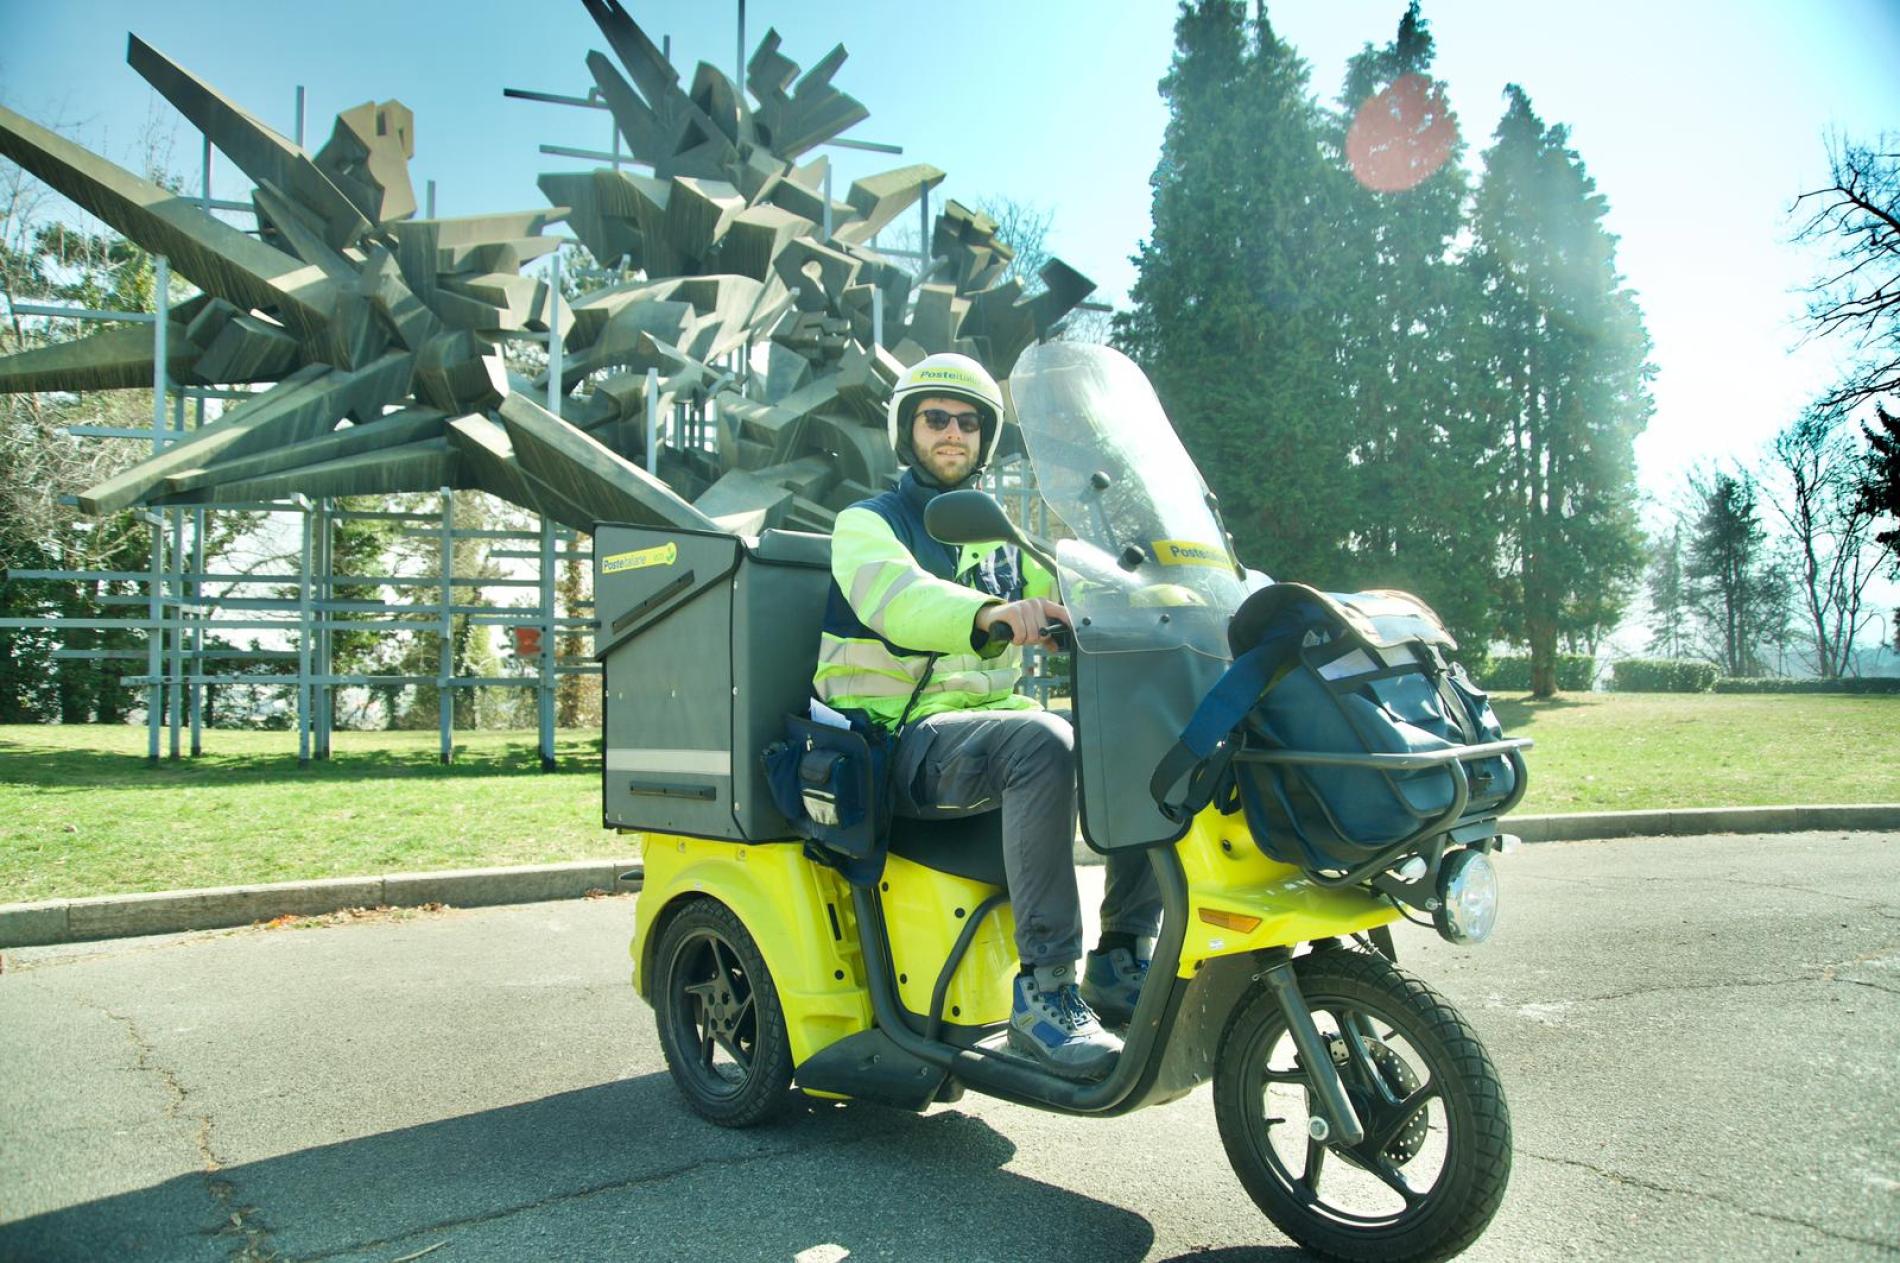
{"points": [[973, 517], [967, 517]]}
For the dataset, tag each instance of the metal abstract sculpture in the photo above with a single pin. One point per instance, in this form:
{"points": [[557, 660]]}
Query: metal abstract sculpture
{"points": [[382, 332]]}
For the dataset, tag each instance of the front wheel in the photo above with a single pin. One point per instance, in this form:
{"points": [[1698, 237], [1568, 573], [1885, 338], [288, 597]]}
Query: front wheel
{"points": [[1430, 1173], [719, 1019]]}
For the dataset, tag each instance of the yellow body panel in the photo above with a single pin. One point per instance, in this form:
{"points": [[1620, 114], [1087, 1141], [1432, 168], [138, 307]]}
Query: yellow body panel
{"points": [[925, 910], [787, 903], [1227, 872], [799, 913]]}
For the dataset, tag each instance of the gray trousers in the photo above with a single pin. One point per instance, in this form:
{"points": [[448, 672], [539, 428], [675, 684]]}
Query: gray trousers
{"points": [[960, 762]]}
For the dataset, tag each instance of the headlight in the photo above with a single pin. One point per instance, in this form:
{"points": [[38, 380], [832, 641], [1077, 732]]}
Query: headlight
{"points": [[1467, 897]]}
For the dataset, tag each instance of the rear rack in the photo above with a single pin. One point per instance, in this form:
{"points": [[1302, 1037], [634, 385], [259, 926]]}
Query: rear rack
{"points": [[1511, 748]]}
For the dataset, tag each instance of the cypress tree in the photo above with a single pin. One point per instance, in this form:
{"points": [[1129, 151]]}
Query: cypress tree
{"points": [[1424, 457], [1564, 340], [1237, 310], [1733, 593]]}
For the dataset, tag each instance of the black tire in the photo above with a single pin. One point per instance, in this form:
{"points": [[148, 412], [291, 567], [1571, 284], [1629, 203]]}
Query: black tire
{"points": [[721, 1028], [1420, 1081]]}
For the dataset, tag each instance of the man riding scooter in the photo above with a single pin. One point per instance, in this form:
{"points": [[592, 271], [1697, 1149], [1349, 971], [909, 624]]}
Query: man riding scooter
{"points": [[911, 638]]}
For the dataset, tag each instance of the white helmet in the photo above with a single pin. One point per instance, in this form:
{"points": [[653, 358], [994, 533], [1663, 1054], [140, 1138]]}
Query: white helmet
{"points": [[945, 375]]}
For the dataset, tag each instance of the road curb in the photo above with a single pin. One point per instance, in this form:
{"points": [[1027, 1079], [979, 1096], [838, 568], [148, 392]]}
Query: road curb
{"points": [[1695, 821], [168, 912], [57, 921]]}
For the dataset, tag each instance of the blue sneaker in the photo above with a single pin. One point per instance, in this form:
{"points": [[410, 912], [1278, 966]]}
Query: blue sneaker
{"points": [[1111, 983], [1050, 1022]]}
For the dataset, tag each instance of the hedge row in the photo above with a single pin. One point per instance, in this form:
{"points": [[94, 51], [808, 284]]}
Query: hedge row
{"points": [[1663, 675], [1868, 684], [1576, 672]]}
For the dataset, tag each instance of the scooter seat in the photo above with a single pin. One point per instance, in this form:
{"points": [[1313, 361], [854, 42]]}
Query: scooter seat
{"points": [[963, 846]]}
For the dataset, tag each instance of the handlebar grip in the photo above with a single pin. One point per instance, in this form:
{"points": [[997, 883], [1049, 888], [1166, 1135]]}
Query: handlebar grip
{"points": [[1058, 633]]}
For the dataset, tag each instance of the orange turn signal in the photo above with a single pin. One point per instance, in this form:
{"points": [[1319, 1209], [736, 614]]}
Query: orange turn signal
{"points": [[1239, 923]]}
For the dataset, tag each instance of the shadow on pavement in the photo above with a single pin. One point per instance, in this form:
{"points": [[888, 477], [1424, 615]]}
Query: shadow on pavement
{"points": [[1243, 1254], [617, 1171]]}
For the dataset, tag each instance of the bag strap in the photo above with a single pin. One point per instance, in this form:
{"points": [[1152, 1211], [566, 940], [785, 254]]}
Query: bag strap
{"points": [[1203, 751], [1440, 669]]}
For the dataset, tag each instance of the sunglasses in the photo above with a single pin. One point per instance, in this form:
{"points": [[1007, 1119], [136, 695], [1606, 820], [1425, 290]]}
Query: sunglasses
{"points": [[939, 420]]}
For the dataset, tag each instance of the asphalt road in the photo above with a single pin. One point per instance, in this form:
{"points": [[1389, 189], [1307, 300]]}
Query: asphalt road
{"points": [[1700, 1039]]}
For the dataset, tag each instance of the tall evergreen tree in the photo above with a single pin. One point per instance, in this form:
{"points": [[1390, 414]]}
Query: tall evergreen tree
{"points": [[1424, 455], [1879, 481], [1668, 598], [1727, 566], [1565, 341], [1237, 306]]}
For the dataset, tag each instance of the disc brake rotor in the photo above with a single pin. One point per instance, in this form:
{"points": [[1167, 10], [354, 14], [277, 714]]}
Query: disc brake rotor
{"points": [[1403, 1081]]}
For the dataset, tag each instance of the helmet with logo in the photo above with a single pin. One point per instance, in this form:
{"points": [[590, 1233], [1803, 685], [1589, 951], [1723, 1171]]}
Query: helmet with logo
{"points": [[944, 376]]}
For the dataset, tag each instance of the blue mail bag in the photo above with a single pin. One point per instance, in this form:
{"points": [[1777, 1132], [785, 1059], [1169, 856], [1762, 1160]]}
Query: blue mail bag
{"points": [[1338, 674]]}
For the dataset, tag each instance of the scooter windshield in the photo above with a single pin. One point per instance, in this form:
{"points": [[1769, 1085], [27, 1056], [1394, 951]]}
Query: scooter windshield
{"points": [[1148, 567]]}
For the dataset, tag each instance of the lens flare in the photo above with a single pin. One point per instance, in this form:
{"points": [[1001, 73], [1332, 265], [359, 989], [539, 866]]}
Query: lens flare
{"points": [[1401, 135]]}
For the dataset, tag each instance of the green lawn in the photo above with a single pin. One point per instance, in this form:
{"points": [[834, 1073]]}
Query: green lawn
{"points": [[81, 813], [1640, 751]]}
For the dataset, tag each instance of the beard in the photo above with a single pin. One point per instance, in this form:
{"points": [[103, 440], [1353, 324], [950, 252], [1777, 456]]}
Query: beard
{"points": [[951, 465]]}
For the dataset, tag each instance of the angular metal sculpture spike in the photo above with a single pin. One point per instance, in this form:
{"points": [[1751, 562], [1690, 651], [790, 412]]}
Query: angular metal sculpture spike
{"points": [[586, 474], [307, 403], [367, 157], [213, 255], [420, 466], [258, 151], [408, 426], [115, 359], [355, 306]]}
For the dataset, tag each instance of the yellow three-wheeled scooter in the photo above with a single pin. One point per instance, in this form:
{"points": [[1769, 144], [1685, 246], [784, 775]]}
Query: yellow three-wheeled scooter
{"points": [[1356, 1106]]}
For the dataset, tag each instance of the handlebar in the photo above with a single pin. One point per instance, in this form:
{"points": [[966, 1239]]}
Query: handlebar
{"points": [[1058, 633]]}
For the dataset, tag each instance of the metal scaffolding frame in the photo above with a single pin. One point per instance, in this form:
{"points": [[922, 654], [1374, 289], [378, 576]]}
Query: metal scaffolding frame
{"points": [[178, 613], [1013, 484]]}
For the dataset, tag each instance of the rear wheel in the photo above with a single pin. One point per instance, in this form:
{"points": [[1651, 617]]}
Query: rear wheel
{"points": [[721, 1028], [1433, 1166]]}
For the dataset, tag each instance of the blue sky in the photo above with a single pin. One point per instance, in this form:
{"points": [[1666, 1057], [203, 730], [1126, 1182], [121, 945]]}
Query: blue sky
{"points": [[1700, 121]]}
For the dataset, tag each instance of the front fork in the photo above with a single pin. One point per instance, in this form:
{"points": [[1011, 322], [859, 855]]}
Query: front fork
{"points": [[1335, 1122]]}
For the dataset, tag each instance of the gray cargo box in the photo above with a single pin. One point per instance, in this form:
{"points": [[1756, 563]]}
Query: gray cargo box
{"points": [[706, 642]]}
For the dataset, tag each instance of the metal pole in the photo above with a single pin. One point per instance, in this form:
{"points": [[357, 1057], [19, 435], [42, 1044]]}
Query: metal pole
{"points": [[923, 236], [196, 691], [299, 122], [445, 659], [154, 643], [175, 580], [431, 211], [555, 335], [545, 693], [653, 421], [198, 631], [326, 587], [877, 315], [161, 352], [545, 698], [175, 699], [738, 60], [303, 636], [155, 635], [827, 200]]}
